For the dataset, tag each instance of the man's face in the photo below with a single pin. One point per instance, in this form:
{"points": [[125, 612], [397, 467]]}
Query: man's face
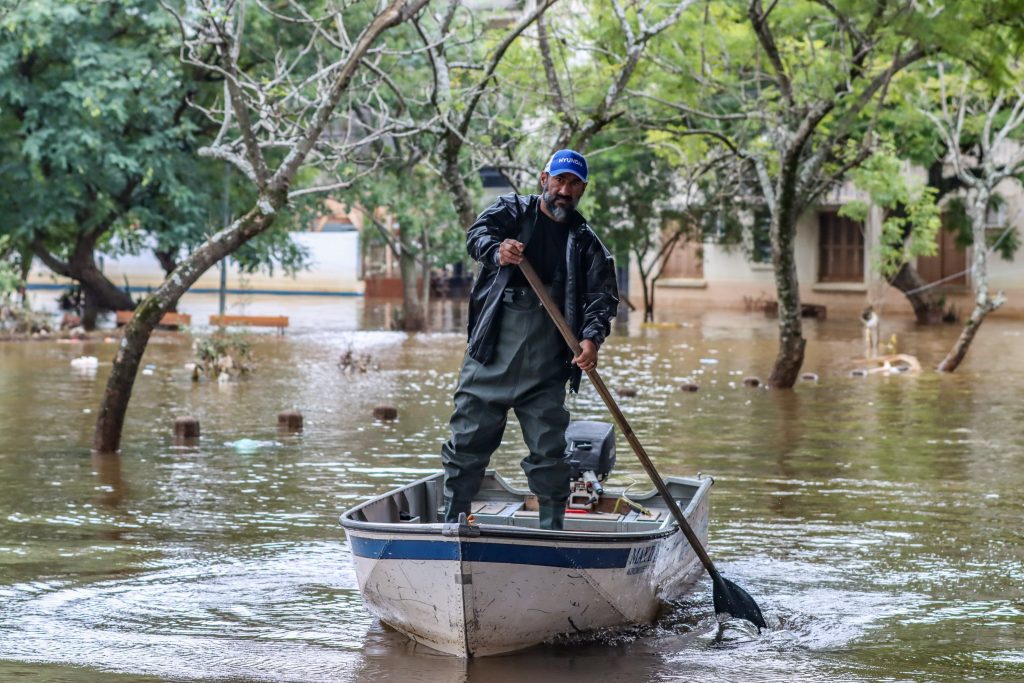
{"points": [[561, 193]]}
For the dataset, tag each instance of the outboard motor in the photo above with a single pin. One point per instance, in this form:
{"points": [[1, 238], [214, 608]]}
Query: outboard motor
{"points": [[590, 450]]}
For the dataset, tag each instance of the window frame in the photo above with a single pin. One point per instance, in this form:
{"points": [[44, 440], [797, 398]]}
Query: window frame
{"points": [[844, 248]]}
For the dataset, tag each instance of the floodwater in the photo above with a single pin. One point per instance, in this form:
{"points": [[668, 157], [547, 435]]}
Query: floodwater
{"points": [[877, 520]]}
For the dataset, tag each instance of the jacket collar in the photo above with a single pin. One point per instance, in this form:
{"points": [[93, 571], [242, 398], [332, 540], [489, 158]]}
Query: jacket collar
{"points": [[576, 219]]}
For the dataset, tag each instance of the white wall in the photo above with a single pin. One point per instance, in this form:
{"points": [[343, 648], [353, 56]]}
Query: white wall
{"points": [[334, 269]]}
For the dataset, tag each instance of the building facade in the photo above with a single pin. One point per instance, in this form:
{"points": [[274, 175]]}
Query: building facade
{"points": [[835, 265]]}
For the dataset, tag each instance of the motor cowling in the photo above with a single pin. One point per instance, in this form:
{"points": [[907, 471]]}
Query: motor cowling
{"points": [[590, 450]]}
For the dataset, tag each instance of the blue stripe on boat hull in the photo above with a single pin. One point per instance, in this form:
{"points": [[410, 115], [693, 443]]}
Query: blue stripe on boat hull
{"points": [[502, 553]]}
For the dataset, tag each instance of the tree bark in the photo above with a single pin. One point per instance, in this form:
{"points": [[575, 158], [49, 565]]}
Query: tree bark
{"points": [[927, 307], [646, 287], [168, 263], [957, 354], [983, 303], [412, 311], [790, 358], [425, 266], [110, 422], [461, 198], [649, 294], [91, 308], [99, 293]]}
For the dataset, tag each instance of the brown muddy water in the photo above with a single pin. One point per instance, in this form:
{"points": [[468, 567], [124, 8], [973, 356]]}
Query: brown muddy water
{"points": [[876, 520]]}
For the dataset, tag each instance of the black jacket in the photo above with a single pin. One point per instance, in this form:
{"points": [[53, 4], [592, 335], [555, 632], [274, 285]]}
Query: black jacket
{"points": [[591, 293]]}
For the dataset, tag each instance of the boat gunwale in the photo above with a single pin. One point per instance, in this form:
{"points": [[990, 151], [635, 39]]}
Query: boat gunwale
{"points": [[493, 531]]}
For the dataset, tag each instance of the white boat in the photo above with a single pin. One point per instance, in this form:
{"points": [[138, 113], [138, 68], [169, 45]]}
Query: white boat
{"points": [[498, 583]]}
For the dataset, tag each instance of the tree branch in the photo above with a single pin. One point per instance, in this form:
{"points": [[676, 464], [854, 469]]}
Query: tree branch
{"points": [[395, 13], [759, 20]]}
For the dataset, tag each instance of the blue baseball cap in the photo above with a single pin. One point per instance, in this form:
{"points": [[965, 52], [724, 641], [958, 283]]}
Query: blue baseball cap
{"points": [[568, 161]]}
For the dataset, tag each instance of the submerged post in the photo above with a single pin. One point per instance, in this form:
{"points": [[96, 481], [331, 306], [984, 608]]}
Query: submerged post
{"points": [[186, 431], [385, 413], [289, 421]]}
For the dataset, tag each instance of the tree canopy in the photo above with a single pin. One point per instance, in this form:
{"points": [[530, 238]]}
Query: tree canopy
{"points": [[102, 126]]}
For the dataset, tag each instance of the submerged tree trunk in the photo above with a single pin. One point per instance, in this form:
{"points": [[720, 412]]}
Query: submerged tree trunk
{"points": [[927, 307], [425, 265], [649, 294], [957, 354], [983, 303], [107, 436], [790, 358], [648, 300], [412, 311], [91, 308], [647, 287]]}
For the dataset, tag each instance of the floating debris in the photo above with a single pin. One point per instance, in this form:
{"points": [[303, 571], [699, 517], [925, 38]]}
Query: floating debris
{"points": [[247, 446], [194, 370], [351, 363], [752, 382], [809, 377], [626, 392], [83, 362], [689, 386], [892, 364]]}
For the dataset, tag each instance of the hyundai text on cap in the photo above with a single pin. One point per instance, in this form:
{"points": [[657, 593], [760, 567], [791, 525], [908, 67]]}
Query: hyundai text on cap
{"points": [[568, 161]]}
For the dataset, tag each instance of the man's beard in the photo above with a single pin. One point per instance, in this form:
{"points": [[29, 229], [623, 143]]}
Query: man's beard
{"points": [[560, 213]]}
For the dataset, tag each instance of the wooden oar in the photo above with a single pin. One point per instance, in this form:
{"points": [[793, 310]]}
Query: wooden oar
{"points": [[728, 597]]}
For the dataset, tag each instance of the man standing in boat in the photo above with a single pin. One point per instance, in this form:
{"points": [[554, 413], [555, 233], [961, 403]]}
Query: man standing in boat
{"points": [[516, 359]]}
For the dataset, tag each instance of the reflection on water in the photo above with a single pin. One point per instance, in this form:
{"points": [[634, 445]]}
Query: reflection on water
{"points": [[876, 520]]}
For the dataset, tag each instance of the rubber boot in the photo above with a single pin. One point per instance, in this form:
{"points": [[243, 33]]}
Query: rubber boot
{"points": [[452, 509], [551, 515]]}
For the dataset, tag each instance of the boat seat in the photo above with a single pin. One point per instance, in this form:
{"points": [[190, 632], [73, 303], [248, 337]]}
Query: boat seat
{"points": [[502, 508], [637, 521], [490, 511], [495, 512], [574, 521]]}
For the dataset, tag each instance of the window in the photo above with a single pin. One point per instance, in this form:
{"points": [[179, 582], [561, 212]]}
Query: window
{"points": [[840, 249]]}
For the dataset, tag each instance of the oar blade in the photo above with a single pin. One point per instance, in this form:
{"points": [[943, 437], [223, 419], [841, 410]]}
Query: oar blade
{"points": [[732, 600]]}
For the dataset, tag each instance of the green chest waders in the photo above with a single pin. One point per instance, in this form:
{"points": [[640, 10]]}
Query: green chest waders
{"points": [[528, 374]]}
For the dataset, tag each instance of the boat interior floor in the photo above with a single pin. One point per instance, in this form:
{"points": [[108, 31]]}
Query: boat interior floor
{"points": [[519, 514]]}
